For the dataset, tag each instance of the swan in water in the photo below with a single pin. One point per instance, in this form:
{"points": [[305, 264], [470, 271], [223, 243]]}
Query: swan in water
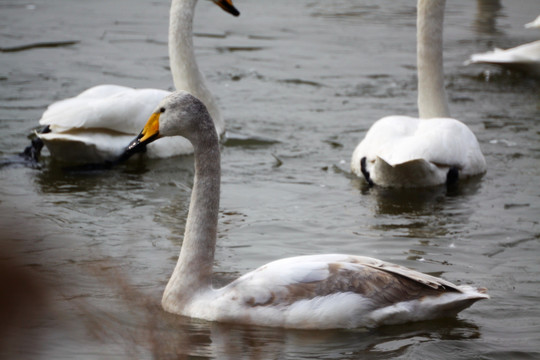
{"points": [[95, 125], [307, 292], [402, 151], [523, 58]]}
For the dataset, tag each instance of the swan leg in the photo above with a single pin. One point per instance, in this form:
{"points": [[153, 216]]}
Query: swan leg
{"points": [[365, 172], [452, 176], [33, 151]]}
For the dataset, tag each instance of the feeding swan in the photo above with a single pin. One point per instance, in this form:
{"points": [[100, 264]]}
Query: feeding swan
{"points": [[95, 125], [402, 151]]}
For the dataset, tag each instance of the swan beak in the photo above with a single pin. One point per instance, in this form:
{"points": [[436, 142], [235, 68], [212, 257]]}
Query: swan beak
{"points": [[228, 6], [147, 135]]}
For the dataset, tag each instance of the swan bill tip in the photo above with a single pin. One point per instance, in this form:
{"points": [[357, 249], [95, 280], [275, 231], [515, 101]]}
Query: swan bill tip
{"points": [[228, 6]]}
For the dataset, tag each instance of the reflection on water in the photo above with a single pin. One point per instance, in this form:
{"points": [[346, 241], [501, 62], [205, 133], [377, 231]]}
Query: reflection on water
{"points": [[487, 12], [420, 201]]}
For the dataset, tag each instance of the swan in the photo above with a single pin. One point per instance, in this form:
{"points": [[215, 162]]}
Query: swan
{"points": [[95, 125], [524, 58], [305, 292], [402, 151]]}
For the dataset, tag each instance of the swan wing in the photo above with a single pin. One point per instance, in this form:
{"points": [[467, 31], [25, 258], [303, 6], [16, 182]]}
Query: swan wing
{"points": [[334, 290], [110, 107]]}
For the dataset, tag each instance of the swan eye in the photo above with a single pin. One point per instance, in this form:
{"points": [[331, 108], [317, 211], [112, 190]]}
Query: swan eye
{"points": [[162, 110]]}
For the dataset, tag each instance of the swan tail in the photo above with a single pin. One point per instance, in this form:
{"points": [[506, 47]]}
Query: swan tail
{"points": [[412, 173]]}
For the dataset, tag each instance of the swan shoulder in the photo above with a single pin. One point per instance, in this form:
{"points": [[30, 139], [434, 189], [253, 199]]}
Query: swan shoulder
{"points": [[112, 107]]}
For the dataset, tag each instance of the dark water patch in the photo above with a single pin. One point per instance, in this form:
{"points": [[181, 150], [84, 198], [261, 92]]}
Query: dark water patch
{"points": [[261, 37], [38, 45], [301, 82], [513, 206], [210, 35], [334, 144], [233, 139], [232, 49]]}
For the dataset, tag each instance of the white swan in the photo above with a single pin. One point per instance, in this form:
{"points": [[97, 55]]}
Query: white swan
{"points": [[309, 292], [401, 151], [523, 58], [96, 125]]}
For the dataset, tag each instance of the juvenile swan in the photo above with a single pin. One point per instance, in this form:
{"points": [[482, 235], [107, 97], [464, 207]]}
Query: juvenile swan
{"points": [[96, 125], [402, 151], [306, 292]]}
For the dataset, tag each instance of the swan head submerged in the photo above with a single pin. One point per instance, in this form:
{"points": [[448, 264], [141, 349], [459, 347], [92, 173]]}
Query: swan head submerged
{"points": [[181, 114], [228, 6]]}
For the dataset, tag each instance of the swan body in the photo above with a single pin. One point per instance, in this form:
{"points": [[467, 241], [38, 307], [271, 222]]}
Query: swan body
{"points": [[523, 58], [417, 152], [402, 151], [305, 292], [95, 125]]}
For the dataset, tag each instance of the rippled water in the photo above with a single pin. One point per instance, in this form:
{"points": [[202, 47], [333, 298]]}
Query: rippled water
{"points": [[303, 81]]}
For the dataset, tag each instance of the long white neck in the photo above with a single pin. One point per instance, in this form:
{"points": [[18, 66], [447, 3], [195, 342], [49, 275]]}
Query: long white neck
{"points": [[184, 68], [431, 94], [193, 271]]}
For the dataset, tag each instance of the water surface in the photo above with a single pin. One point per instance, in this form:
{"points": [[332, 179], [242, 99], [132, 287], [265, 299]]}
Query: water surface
{"points": [[308, 78]]}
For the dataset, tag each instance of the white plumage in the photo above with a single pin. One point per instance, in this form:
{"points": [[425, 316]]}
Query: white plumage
{"points": [[96, 125], [523, 58], [306, 292], [412, 152], [401, 151]]}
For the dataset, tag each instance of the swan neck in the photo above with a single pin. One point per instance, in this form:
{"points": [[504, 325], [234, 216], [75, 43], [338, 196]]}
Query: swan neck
{"points": [[185, 71], [193, 271], [181, 54], [431, 93]]}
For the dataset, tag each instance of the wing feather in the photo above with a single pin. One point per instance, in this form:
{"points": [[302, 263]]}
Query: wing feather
{"points": [[287, 281]]}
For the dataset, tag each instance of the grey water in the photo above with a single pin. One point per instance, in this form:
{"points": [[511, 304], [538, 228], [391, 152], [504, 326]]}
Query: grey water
{"points": [[87, 253]]}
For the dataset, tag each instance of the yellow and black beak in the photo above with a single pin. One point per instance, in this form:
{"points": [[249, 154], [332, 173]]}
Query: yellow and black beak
{"points": [[149, 133], [228, 6]]}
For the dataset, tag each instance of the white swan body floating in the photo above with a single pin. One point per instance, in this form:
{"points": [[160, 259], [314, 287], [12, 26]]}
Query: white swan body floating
{"points": [[96, 125], [401, 151], [524, 58], [307, 292]]}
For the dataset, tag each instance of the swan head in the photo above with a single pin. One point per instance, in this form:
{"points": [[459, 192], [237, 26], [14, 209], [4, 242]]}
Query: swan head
{"points": [[178, 114], [228, 6]]}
